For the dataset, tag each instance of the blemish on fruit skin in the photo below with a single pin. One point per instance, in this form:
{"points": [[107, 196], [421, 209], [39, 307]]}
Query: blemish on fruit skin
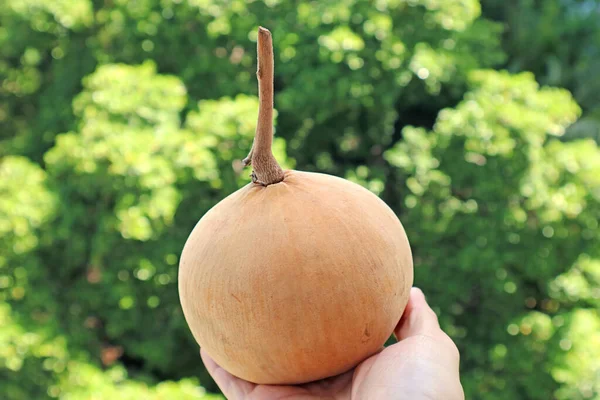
{"points": [[235, 297], [366, 334]]}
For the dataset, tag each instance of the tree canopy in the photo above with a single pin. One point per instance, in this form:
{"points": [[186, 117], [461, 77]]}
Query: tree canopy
{"points": [[122, 122]]}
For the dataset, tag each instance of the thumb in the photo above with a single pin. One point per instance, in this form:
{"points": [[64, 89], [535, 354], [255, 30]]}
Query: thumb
{"points": [[418, 318]]}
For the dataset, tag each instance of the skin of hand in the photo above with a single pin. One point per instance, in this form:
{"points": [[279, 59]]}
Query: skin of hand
{"points": [[423, 365]]}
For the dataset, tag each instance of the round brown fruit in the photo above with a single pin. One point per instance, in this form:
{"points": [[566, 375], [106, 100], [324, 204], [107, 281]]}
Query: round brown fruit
{"points": [[297, 276]]}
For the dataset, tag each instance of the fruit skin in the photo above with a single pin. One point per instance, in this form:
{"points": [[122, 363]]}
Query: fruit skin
{"points": [[295, 281]]}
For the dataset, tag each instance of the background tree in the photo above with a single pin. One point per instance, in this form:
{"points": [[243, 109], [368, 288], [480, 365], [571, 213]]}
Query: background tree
{"points": [[558, 41], [122, 122]]}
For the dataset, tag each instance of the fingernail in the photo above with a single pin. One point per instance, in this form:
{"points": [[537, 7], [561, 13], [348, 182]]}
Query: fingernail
{"points": [[418, 292]]}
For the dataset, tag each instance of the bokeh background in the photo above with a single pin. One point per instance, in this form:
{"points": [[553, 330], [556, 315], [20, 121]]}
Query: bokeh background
{"points": [[123, 121]]}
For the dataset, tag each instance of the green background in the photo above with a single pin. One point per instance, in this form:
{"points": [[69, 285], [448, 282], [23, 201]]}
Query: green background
{"points": [[123, 121]]}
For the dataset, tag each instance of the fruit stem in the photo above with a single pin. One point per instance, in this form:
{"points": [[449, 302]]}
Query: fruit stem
{"points": [[266, 170]]}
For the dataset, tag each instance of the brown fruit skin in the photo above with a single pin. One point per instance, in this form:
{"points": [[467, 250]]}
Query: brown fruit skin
{"points": [[295, 281]]}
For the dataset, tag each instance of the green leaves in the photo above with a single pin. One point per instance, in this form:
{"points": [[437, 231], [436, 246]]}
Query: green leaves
{"points": [[577, 368], [86, 381], [133, 95], [123, 122], [490, 193], [21, 214], [556, 40], [138, 177]]}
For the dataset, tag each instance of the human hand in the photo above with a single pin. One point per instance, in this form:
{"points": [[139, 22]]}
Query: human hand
{"points": [[423, 365]]}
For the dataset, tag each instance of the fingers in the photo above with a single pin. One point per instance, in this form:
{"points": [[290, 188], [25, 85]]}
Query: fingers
{"points": [[420, 321], [232, 387], [418, 318]]}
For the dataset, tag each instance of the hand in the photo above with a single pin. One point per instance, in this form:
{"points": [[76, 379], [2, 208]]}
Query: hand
{"points": [[423, 365]]}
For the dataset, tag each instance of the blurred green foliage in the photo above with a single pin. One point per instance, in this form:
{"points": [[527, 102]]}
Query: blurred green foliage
{"points": [[122, 122], [559, 41]]}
